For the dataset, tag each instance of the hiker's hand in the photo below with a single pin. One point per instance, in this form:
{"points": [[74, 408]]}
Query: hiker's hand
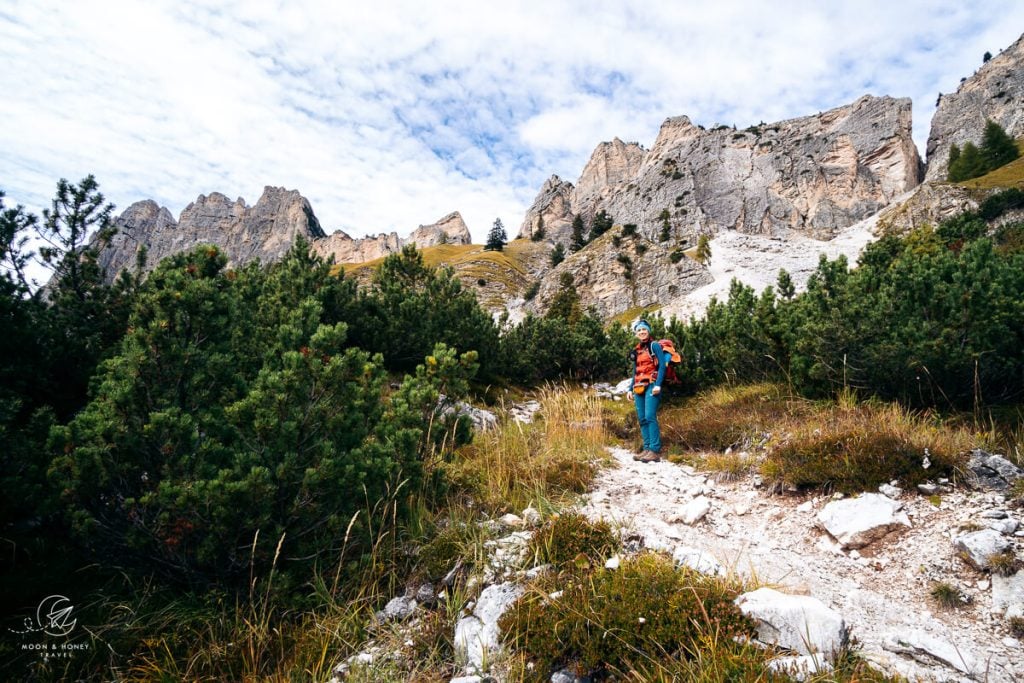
{"points": [[629, 395], [656, 390]]}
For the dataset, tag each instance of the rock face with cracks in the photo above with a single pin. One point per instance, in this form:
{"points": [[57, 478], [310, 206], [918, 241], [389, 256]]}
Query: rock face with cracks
{"points": [[993, 92], [815, 174]]}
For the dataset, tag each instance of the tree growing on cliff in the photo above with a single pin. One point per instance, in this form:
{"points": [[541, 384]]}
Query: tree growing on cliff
{"points": [[577, 241], [601, 224], [703, 254], [997, 150], [497, 238], [538, 232], [557, 255], [997, 147]]}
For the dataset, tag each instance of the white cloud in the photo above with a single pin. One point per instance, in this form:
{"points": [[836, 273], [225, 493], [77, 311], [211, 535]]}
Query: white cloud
{"points": [[391, 114]]}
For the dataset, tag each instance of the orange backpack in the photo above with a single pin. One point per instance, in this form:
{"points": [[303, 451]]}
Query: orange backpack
{"points": [[669, 347]]}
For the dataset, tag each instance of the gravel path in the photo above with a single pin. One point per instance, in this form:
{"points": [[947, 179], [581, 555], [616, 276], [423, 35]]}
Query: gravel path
{"points": [[882, 592]]}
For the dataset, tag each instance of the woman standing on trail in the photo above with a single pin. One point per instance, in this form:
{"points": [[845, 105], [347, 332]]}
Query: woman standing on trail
{"points": [[649, 364]]}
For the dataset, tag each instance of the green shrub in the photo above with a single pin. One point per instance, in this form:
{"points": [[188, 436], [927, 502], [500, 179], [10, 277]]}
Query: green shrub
{"points": [[234, 431], [572, 540], [532, 290], [614, 620]]}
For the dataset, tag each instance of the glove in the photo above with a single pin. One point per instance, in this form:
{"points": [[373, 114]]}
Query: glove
{"points": [[656, 390]]}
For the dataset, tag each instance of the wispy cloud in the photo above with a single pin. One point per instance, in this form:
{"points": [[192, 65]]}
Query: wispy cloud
{"points": [[391, 114]]}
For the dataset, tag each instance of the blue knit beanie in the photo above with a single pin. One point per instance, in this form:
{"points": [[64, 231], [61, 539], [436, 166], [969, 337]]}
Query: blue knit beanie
{"points": [[641, 324]]}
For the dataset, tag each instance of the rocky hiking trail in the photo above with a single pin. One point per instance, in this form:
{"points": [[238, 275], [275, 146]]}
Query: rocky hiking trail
{"points": [[881, 590], [823, 570]]}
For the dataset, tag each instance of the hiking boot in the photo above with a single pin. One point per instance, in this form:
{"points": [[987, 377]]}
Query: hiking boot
{"points": [[640, 453], [649, 456]]}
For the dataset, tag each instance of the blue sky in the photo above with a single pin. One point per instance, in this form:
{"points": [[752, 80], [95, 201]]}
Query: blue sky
{"points": [[387, 115]]}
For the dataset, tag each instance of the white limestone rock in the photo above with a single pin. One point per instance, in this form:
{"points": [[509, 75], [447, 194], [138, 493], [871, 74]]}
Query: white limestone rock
{"points": [[694, 511], [857, 522], [926, 649], [698, 560], [476, 636], [797, 622], [1008, 594], [800, 667], [978, 547]]}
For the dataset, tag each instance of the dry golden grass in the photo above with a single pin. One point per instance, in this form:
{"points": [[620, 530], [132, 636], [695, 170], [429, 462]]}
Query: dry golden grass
{"points": [[843, 445], [518, 464], [730, 416]]}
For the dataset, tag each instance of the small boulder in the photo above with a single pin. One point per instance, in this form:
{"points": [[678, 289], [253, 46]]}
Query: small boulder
{"points": [[426, 595], [978, 547], [797, 622], [697, 560], [511, 520], [990, 471], [1008, 594], [397, 609], [925, 648], [476, 636], [857, 522], [694, 511], [1006, 527], [890, 491], [531, 516]]}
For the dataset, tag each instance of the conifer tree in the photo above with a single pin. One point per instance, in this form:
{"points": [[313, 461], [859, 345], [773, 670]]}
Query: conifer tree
{"points": [[497, 238], [557, 255], [538, 232], [601, 224], [997, 148], [577, 241], [970, 164], [703, 255], [666, 225], [785, 285]]}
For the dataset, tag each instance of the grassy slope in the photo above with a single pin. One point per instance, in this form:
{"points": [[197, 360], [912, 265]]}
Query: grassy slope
{"points": [[505, 272], [1010, 175]]}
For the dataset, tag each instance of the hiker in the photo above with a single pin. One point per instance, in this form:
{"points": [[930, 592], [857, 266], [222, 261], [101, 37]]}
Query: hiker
{"points": [[649, 364]]}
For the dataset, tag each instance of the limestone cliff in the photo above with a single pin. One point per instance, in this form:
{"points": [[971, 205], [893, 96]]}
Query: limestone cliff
{"points": [[265, 231], [553, 206], [995, 91], [929, 204], [815, 174], [448, 230], [618, 272]]}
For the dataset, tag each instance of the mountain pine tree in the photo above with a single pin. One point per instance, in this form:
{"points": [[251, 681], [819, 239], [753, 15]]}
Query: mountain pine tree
{"points": [[538, 232], [703, 255], [557, 254], [997, 147], [577, 241], [497, 238]]}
